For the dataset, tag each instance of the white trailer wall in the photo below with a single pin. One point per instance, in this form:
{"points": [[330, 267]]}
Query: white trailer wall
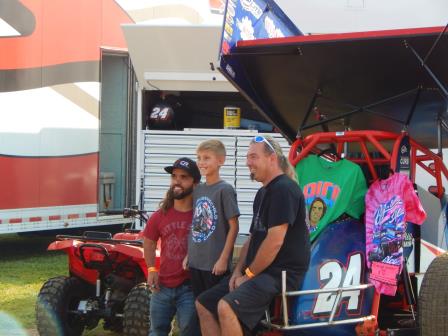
{"points": [[162, 148]]}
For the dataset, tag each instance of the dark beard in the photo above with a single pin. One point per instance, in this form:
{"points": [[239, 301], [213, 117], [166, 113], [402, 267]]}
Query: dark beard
{"points": [[182, 195], [252, 177]]}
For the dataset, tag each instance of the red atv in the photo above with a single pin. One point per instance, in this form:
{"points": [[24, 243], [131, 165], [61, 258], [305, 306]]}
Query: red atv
{"points": [[107, 281]]}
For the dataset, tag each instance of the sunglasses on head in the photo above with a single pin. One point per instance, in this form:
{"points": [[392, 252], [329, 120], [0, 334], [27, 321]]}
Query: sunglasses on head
{"points": [[260, 138]]}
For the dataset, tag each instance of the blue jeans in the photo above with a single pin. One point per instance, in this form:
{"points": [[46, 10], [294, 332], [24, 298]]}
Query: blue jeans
{"points": [[170, 301]]}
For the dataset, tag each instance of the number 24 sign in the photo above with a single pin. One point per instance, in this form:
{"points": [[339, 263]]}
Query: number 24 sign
{"points": [[334, 274]]}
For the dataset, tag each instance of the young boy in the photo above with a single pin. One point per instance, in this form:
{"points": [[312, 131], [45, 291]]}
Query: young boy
{"points": [[215, 220]]}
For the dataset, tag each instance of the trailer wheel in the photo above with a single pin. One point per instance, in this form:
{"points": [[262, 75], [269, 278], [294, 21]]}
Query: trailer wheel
{"points": [[136, 319], [433, 301], [57, 297]]}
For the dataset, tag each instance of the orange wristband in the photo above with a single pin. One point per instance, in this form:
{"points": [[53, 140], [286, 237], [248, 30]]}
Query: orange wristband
{"points": [[249, 273], [152, 269]]}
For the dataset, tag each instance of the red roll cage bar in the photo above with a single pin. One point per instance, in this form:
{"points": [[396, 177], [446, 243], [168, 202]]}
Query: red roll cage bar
{"points": [[419, 155]]}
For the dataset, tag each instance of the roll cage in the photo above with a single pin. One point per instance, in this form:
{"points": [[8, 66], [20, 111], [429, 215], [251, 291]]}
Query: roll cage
{"points": [[372, 149]]}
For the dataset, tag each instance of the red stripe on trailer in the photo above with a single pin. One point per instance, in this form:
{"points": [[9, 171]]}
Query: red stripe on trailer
{"points": [[399, 33], [54, 41], [48, 181], [51, 218]]}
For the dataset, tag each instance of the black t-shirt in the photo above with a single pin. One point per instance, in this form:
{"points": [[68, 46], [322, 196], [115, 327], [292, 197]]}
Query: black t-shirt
{"points": [[282, 201]]}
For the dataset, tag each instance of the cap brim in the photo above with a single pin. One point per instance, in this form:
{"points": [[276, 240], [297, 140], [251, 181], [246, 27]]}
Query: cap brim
{"points": [[169, 169]]}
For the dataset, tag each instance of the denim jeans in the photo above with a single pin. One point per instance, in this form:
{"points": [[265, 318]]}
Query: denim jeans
{"points": [[170, 301]]}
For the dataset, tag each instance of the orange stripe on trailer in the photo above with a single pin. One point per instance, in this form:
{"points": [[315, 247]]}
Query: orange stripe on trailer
{"points": [[56, 217], [73, 216], [91, 214], [35, 219], [15, 221]]}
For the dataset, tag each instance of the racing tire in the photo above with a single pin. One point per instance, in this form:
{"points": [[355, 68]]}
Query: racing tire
{"points": [[136, 315], [57, 297], [433, 300]]}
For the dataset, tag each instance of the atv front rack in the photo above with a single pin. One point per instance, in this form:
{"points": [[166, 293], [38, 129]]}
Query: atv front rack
{"points": [[112, 241], [331, 322]]}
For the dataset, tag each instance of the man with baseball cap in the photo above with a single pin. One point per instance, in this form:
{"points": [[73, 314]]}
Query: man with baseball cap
{"points": [[188, 165], [170, 283]]}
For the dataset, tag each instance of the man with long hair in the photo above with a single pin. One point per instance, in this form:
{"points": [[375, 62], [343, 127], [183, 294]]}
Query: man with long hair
{"points": [[279, 240], [170, 283]]}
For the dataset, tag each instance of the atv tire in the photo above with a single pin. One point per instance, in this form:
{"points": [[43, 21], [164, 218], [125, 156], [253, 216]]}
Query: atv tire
{"points": [[136, 319], [433, 302], [55, 300]]}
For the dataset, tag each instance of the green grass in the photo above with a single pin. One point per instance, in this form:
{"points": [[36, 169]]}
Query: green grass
{"points": [[25, 265]]}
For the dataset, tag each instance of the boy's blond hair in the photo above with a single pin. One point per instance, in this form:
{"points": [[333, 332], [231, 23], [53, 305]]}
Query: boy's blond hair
{"points": [[213, 145]]}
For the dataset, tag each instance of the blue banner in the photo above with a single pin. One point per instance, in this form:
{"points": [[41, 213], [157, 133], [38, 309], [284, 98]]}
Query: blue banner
{"points": [[250, 20]]}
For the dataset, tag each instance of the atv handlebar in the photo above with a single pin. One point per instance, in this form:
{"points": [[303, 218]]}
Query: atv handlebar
{"points": [[135, 213], [128, 213]]}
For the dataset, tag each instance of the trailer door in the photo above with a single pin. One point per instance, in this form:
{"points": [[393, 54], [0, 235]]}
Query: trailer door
{"points": [[114, 130]]}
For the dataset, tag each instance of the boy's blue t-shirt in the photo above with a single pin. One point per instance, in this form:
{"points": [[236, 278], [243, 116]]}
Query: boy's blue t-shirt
{"points": [[213, 206]]}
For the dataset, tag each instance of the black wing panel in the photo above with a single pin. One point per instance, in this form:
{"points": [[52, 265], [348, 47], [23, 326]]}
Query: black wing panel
{"points": [[378, 71]]}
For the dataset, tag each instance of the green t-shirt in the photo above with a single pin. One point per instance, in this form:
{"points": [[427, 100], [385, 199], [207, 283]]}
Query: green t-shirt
{"points": [[330, 189]]}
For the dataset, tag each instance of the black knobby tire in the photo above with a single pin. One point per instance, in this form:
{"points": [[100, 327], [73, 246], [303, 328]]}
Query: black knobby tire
{"points": [[55, 300], [136, 319], [433, 300]]}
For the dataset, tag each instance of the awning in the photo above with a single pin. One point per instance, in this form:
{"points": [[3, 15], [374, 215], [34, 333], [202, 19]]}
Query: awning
{"points": [[333, 77], [176, 58]]}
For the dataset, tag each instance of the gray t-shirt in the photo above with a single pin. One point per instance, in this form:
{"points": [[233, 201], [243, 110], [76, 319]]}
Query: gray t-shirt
{"points": [[214, 205]]}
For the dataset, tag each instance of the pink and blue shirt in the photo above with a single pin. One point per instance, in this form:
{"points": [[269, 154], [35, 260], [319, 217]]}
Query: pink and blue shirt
{"points": [[390, 204]]}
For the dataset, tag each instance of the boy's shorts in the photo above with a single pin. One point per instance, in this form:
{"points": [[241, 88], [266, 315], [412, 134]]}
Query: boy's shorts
{"points": [[204, 280], [249, 301]]}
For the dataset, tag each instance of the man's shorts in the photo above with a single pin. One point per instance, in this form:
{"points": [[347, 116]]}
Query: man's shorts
{"points": [[249, 301]]}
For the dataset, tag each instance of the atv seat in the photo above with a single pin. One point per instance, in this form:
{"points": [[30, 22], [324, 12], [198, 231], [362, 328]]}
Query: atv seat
{"points": [[97, 234], [128, 235]]}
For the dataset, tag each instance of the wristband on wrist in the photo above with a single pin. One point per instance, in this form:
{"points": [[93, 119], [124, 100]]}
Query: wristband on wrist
{"points": [[249, 273], [152, 269]]}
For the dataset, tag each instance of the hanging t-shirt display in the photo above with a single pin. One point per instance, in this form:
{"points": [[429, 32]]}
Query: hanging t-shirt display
{"points": [[390, 204], [330, 189]]}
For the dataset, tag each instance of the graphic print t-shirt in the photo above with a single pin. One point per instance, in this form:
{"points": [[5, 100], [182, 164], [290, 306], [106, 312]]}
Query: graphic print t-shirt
{"points": [[390, 204], [330, 189], [280, 202], [172, 228], [213, 206]]}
